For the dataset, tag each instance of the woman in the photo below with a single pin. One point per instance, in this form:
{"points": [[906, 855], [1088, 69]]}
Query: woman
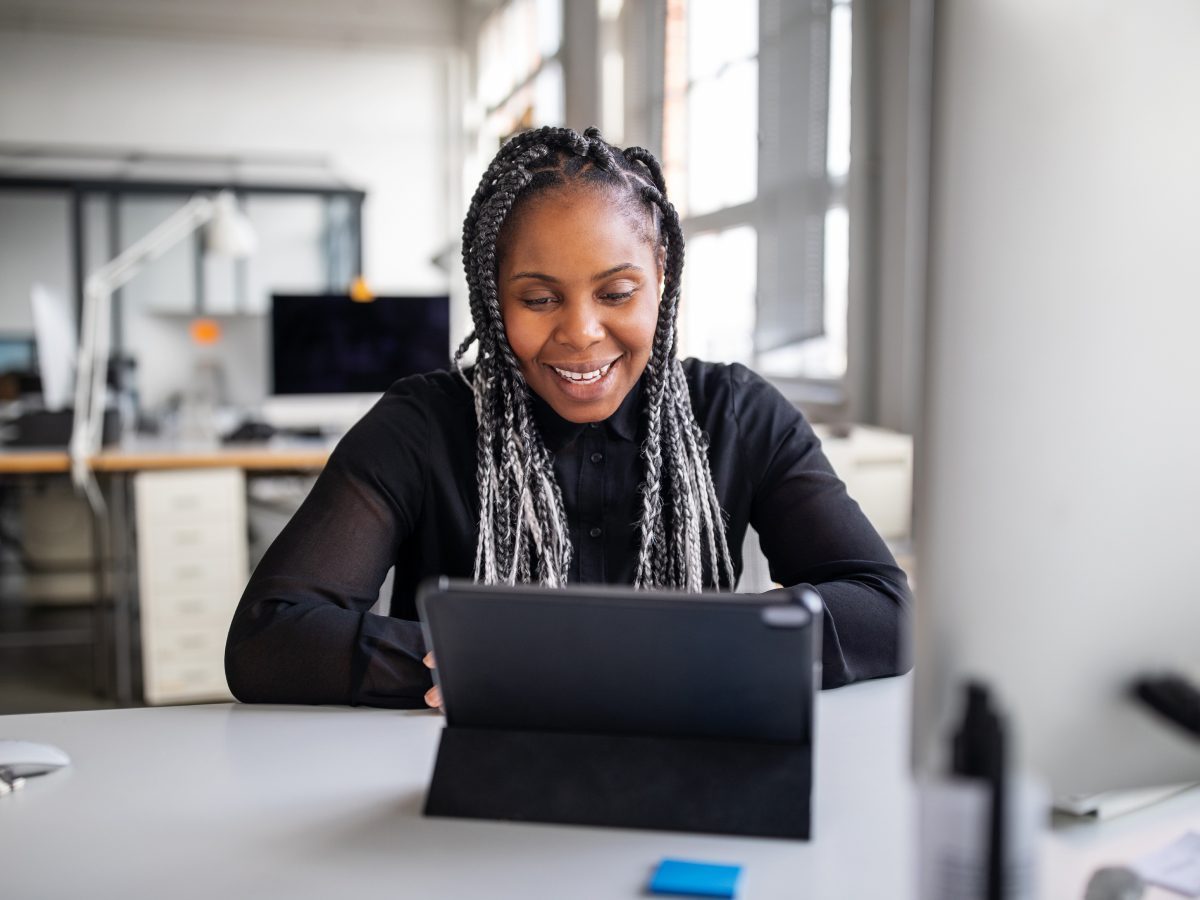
{"points": [[578, 449]]}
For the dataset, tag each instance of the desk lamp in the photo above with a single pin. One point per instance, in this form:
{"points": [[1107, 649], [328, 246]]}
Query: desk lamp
{"points": [[229, 233]]}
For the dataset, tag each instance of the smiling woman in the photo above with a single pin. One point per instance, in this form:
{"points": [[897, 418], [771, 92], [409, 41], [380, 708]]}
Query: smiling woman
{"points": [[579, 448]]}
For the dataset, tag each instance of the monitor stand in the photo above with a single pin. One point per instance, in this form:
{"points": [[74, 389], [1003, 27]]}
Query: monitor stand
{"points": [[328, 413]]}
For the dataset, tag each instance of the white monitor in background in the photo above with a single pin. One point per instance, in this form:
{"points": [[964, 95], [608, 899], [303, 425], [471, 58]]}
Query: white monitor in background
{"points": [[1058, 498], [332, 357], [54, 331]]}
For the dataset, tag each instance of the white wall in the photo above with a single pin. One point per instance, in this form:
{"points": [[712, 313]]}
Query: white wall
{"points": [[380, 112], [1059, 502]]}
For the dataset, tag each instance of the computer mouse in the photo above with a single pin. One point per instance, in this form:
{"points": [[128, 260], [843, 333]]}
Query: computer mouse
{"points": [[24, 759]]}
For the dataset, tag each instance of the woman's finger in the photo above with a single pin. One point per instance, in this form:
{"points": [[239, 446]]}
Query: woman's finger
{"points": [[429, 659], [433, 697]]}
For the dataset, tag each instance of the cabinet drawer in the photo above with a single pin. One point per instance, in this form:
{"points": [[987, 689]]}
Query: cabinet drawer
{"points": [[183, 497], [191, 538], [175, 683], [184, 644], [219, 575], [183, 663], [218, 562], [173, 609]]}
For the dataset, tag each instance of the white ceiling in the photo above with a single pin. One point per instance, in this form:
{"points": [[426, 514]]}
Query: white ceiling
{"points": [[409, 23]]}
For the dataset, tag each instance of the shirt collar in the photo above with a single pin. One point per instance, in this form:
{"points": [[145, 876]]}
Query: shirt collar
{"points": [[557, 432]]}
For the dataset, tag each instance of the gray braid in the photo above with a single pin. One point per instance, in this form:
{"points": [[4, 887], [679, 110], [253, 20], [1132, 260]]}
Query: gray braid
{"points": [[523, 528]]}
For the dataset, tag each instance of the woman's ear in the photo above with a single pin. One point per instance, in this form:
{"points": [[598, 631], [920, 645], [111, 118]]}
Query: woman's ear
{"points": [[660, 258]]}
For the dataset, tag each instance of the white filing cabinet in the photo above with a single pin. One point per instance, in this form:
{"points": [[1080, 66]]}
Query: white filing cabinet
{"points": [[192, 569], [877, 467]]}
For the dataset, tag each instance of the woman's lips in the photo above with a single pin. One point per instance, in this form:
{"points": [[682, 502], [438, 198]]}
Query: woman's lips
{"points": [[584, 386], [582, 376]]}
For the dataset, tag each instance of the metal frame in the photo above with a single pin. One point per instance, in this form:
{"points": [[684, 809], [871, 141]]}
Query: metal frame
{"points": [[79, 187]]}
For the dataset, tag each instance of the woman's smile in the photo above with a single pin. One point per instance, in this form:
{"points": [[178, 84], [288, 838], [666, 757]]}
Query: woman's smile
{"points": [[582, 382]]}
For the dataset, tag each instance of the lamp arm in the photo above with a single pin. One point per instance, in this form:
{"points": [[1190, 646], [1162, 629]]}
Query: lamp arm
{"points": [[121, 269], [91, 376]]}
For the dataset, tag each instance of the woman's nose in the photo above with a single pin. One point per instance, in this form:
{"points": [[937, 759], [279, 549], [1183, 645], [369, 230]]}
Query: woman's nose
{"points": [[580, 324]]}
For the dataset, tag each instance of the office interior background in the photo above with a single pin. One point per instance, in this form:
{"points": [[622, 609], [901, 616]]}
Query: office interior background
{"points": [[798, 142], [353, 138]]}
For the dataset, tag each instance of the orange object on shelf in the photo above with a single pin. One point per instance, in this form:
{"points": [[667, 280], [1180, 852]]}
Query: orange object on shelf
{"points": [[359, 292], [205, 331]]}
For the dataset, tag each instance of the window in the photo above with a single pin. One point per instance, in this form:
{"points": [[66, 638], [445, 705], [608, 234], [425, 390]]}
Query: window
{"points": [[756, 144], [519, 79]]}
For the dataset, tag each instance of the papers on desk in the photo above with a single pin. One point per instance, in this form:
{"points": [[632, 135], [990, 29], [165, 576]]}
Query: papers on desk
{"points": [[1107, 804], [1175, 867]]}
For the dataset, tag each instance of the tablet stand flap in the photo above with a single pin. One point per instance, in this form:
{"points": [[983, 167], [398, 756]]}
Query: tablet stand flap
{"points": [[630, 781]]}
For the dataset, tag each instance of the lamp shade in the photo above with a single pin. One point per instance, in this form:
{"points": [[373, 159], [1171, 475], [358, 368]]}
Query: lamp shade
{"points": [[230, 232]]}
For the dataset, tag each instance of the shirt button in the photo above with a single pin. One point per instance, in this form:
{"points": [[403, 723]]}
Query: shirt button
{"points": [[596, 531], [593, 424], [596, 457]]}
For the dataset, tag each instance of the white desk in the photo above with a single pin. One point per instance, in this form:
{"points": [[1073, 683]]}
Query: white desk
{"points": [[242, 801]]}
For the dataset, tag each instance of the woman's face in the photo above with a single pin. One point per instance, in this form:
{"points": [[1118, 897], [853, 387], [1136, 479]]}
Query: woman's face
{"points": [[579, 292]]}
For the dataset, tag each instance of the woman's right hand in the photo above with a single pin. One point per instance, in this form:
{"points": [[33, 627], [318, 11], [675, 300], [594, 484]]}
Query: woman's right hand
{"points": [[433, 696]]}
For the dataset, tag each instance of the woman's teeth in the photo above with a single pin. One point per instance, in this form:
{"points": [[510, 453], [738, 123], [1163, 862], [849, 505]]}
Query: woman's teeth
{"points": [[584, 377]]}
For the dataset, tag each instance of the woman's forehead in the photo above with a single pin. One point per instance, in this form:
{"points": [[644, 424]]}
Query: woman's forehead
{"points": [[603, 219]]}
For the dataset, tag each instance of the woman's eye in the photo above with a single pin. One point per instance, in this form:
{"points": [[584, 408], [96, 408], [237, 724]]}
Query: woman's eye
{"points": [[537, 301], [617, 296]]}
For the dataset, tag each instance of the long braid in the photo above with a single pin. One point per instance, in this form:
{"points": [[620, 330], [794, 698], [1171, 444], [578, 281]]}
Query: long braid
{"points": [[523, 529]]}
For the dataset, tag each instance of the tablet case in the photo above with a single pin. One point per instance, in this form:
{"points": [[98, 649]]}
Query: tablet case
{"points": [[713, 733]]}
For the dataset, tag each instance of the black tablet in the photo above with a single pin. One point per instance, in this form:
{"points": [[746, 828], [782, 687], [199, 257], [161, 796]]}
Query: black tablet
{"points": [[614, 660]]}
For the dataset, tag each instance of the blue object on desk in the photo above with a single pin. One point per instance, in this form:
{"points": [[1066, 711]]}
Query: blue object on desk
{"points": [[694, 879]]}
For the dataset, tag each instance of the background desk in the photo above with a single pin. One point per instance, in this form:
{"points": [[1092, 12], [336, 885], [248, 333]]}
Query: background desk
{"points": [[189, 603], [290, 802], [143, 455]]}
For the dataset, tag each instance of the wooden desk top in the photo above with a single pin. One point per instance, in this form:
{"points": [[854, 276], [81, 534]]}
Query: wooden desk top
{"points": [[33, 461], [142, 455]]}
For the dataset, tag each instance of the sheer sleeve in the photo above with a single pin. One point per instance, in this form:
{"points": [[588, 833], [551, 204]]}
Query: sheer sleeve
{"points": [[812, 532], [302, 632]]}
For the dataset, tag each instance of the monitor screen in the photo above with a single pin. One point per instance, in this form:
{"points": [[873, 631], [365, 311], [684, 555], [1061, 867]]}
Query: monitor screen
{"points": [[54, 328], [330, 344], [17, 355]]}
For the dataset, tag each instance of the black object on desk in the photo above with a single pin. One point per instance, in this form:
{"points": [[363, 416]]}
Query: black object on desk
{"points": [[52, 428], [637, 709], [979, 751], [250, 431]]}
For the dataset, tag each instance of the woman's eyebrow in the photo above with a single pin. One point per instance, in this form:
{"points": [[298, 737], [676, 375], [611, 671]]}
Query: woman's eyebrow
{"points": [[540, 276], [607, 273], [623, 267]]}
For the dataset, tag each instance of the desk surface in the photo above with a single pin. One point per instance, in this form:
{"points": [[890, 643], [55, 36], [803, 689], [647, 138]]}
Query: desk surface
{"points": [[293, 802], [141, 455]]}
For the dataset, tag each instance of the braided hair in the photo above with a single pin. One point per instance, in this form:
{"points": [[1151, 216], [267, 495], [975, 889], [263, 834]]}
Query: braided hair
{"points": [[523, 529]]}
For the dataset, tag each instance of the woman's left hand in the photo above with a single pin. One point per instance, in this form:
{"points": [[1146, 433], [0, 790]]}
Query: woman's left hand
{"points": [[433, 696]]}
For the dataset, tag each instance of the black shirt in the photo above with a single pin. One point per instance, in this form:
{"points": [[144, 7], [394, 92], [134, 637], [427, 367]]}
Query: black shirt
{"points": [[400, 489]]}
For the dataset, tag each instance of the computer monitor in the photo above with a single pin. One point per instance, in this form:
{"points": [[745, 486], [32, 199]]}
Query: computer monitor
{"points": [[17, 354], [54, 329], [1058, 496], [332, 357]]}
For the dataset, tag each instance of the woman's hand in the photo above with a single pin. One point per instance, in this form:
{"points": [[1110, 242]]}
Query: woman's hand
{"points": [[433, 696]]}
